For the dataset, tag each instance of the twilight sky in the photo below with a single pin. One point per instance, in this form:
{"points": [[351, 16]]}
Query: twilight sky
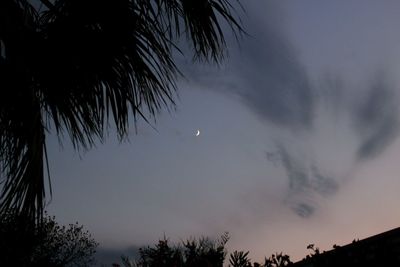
{"points": [[299, 141]]}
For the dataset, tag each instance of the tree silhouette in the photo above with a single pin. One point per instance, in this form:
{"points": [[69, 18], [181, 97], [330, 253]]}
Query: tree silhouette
{"points": [[201, 252], [22, 243], [73, 66]]}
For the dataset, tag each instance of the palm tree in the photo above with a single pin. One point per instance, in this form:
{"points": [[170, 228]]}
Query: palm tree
{"points": [[72, 66]]}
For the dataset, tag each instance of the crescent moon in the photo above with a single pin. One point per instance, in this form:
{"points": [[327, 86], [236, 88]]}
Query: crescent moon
{"points": [[198, 133]]}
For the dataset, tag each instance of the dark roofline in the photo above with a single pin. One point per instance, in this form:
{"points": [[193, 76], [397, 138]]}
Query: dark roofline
{"points": [[395, 231], [357, 243]]}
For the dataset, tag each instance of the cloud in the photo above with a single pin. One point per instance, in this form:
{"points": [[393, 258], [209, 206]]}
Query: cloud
{"points": [[376, 119], [378, 140], [273, 83], [268, 76], [107, 256], [323, 184], [306, 183], [264, 72], [304, 210]]}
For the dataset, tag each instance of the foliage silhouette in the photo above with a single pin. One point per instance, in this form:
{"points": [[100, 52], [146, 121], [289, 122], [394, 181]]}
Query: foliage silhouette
{"points": [[277, 260], [75, 66], [201, 252], [23, 243], [239, 259], [378, 250]]}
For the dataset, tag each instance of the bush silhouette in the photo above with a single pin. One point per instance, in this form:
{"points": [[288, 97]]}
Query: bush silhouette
{"points": [[23, 243], [201, 252]]}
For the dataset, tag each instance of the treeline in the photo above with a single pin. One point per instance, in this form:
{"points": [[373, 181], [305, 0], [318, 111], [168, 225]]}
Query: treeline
{"points": [[24, 243], [202, 252]]}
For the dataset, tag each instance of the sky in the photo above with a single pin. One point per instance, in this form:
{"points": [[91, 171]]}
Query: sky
{"points": [[298, 141]]}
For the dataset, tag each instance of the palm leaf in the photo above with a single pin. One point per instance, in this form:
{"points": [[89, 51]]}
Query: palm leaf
{"points": [[78, 65]]}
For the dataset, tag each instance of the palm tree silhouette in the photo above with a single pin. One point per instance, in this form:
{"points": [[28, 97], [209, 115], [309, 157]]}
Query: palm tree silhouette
{"points": [[73, 66]]}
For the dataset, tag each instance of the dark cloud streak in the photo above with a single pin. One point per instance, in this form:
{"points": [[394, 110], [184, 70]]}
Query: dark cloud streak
{"points": [[376, 119], [269, 78], [305, 183], [275, 84]]}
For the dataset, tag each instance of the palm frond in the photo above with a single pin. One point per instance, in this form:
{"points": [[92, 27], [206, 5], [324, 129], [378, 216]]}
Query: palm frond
{"points": [[80, 64]]}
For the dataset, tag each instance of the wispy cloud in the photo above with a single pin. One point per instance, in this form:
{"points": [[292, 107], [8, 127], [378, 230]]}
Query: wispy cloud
{"points": [[268, 77], [306, 183], [273, 82], [376, 119]]}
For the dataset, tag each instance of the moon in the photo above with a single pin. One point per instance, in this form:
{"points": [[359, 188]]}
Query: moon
{"points": [[198, 133]]}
